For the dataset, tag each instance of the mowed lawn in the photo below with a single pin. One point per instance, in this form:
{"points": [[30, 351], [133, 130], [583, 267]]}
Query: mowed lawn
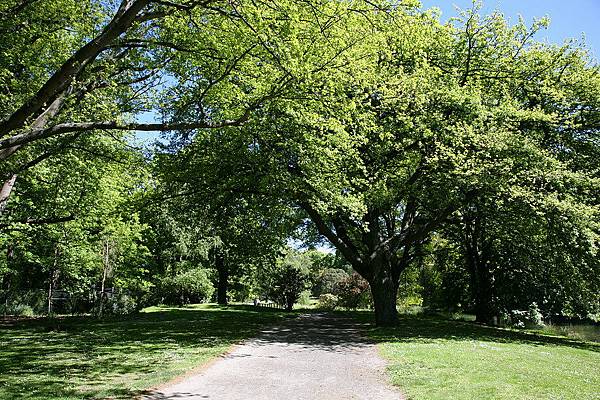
{"points": [[82, 358], [432, 358]]}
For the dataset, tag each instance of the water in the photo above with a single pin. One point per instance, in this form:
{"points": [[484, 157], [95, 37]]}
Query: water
{"points": [[586, 332]]}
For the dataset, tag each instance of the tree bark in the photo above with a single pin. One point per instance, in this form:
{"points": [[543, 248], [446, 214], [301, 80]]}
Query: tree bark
{"points": [[482, 291], [481, 279], [384, 290], [223, 283], [6, 190]]}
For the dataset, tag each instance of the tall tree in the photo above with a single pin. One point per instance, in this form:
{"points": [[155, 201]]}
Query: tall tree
{"points": [[414, 124], [70, 69]]}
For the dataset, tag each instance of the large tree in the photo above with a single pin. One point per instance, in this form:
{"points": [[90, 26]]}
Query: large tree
{"points": [[415, 122], [529, 232], [70, 69]]}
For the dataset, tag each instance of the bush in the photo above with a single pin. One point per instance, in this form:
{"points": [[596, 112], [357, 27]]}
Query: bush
{"points": [[354, 292], [26, 303], [535, 316], [19, 310], [328, 301], [328, 281], [120, 304], [193, 286], [530, 318], [304, 298]]}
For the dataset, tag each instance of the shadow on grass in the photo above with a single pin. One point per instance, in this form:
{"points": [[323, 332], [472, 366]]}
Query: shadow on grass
{"points": [[79, 357], [425, 328], [74, 358]]}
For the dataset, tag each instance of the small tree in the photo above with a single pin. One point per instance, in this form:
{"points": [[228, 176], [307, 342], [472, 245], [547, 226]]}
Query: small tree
{"points": [[289, 280]]}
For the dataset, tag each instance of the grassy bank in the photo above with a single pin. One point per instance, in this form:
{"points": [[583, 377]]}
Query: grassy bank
{"points": [[76, 358], [433, 358]]}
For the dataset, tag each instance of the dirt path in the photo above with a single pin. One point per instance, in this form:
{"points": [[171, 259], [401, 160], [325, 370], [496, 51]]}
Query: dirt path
{"points": [[316, 356]]}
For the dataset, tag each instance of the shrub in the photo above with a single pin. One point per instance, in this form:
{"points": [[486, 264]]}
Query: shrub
{"points": [[353, 292], [19, 310], [304, 298], [26, 303], [535, 316], [328, 301], [530, 318], [120, 304], [193, 286], [328, 280]]}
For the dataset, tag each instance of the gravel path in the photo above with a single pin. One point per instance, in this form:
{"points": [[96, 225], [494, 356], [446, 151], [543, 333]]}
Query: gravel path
{"points": [[315, 356]]}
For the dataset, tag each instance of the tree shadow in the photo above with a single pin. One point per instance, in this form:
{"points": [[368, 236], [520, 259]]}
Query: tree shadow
{"points": [[83, 357], [318, 331], [425, 328], [309, 333]]}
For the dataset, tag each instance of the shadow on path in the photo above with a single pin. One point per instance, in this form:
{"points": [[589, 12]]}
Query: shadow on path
{"points": [[320, 331], [314, 356]]}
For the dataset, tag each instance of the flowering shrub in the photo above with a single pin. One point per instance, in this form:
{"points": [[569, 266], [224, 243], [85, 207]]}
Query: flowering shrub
{"points": [[328, 301], [354, 292]]}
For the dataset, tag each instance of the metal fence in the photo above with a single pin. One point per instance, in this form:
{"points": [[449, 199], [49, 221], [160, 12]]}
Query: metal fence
{"points": [[38, 302]]}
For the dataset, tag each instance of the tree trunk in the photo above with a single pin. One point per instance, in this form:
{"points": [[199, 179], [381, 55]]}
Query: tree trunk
{"points": [[384, 291], [290, 299], [52, 279], [223, 283], [6, 190], [482, 285], [483, 295], [50, 284], [482, 288]]}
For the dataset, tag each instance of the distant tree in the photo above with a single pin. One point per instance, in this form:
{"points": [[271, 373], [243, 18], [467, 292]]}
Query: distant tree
{"points": [[289, 280]]}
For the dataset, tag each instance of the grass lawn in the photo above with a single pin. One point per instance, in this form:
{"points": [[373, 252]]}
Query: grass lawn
{"points": [[82, 358], [433, 358]]}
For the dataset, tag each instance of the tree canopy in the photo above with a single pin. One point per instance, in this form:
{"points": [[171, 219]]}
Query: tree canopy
{"points": [[404, 142]]}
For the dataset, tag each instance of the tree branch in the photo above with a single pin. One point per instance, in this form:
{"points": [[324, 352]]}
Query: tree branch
{"points": [[350, 255], [28, 137], [40, 221], [62, 78]]}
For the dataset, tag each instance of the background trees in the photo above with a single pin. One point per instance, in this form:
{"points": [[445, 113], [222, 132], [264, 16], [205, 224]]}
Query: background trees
{"points": [[71, 225]]}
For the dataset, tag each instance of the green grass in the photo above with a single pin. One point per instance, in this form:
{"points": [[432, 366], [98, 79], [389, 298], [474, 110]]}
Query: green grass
{"points": [[433, 358], [82, 358], [429, 358]]}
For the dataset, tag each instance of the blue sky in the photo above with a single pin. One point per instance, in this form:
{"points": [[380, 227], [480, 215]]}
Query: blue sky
{"points": [[569, 18]]}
